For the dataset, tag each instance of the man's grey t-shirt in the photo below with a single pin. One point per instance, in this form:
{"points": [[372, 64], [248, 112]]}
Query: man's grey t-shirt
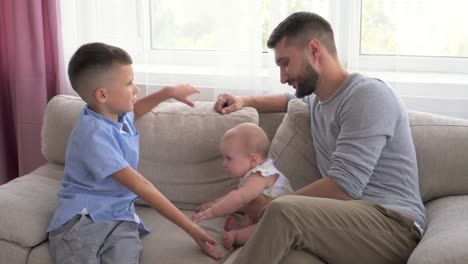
{"points": [[363, 142]]}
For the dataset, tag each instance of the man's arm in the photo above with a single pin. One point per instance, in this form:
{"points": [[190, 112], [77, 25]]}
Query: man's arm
{"points": [[325, 188], [227, 103], [178, 92]]}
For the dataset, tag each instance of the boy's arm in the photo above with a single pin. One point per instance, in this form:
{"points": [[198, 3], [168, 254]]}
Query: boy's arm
{"points": [[178, 92], [234, 200], [138, 184]]}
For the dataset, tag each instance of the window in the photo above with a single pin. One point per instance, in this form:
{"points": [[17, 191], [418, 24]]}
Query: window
{"points": [[413, 36]]}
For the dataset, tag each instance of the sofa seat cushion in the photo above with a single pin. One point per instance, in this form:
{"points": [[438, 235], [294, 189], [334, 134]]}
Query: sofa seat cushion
{"points": [[40, 254], [169, 244], [11, 252], [445, 239], [27, 203], [179, 150]]}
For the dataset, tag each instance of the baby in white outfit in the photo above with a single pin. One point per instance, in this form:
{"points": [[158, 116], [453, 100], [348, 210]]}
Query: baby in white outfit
{"points": [[245, 151]]}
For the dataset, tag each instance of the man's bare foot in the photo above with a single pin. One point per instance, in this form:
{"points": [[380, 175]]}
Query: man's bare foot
{"points": [[229, 238], [231, 223]]}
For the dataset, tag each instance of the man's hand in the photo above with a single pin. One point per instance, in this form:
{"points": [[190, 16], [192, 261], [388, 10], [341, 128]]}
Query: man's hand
{"points": [[205, 241], [181, 92], [227, 103], [254, 208], [203, 215]]}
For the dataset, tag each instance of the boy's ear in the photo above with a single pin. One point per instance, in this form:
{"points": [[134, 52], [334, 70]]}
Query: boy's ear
{"points": [[100, 94]]}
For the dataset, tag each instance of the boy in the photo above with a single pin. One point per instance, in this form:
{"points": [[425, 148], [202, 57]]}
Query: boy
{"points": [[95, 221]]}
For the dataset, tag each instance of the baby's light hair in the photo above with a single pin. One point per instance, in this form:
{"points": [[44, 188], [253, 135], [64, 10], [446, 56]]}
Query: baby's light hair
{"points": [[253, 138]]}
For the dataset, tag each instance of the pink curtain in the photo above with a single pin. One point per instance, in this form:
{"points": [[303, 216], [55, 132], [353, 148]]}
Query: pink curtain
{"points": [[30, 69]]}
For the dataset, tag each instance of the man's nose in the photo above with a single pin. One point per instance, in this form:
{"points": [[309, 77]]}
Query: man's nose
{"points": [[283, 76]]}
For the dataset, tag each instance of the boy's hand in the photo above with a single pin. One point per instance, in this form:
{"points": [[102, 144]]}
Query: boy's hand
{"points": [[207, 243], [203, 215], [180, 92], [205, 206]]}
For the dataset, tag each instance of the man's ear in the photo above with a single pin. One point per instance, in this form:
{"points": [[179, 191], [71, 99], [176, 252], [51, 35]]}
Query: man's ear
{"points": [[100, 94], [314, 49]]}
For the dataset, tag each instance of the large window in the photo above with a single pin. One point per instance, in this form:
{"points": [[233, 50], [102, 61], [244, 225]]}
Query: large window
{"points": [[425, 28], [209, 25], [412, 36]]}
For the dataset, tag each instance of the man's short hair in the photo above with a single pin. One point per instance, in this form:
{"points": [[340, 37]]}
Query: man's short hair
{"points": [[91, 59], [299, 28]]}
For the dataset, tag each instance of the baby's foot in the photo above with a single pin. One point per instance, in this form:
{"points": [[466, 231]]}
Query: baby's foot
{"points": [[230, 223], [229, 238]]}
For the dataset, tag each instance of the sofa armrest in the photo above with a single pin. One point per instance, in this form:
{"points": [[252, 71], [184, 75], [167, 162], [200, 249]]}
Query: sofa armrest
{"points": [[28, 203]]}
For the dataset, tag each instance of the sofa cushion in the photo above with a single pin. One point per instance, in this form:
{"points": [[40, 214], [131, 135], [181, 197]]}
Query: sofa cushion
{"points": [[11, 252], [445, 238], [178, 146], [441, 148], [27, 203], [59, 119], [40, 254], [292, 148], [179, 150], [169, 244]]}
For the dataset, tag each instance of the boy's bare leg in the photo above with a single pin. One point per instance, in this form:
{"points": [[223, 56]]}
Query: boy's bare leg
{"points": [[238, 237]]}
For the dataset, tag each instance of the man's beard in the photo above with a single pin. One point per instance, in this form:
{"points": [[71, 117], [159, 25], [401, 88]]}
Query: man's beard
{"points": [[306, 82]]}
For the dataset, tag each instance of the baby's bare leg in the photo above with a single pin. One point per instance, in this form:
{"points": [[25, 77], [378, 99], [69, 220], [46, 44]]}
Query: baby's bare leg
{"points": [[238, 237], [232, 224]]}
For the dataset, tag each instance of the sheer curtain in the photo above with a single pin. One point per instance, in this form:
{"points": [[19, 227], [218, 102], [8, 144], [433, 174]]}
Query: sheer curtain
{"points": [[30, 74], [219, 46], [204, 43]]}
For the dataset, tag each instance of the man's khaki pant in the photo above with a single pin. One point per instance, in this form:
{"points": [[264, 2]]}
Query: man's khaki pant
{"points": [[330, 231]]}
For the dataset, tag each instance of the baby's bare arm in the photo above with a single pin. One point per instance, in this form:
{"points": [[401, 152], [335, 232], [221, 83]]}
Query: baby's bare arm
{"points": [[237, 199]]}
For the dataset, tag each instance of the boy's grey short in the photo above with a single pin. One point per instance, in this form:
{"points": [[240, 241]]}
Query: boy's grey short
{"points": [[81, 240]]}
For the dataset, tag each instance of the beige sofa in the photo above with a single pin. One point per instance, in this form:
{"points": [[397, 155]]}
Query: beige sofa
{"points": [[179, 154]]}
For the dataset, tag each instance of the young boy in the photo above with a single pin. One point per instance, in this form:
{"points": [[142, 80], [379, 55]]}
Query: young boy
{"points": [[245, 151], [95, 221]]}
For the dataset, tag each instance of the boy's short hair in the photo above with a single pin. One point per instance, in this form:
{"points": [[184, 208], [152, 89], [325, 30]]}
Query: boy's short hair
{"points": [[90, 61], [300, 28]]}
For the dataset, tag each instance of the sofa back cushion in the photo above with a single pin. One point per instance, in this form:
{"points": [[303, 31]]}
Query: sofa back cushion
{"points": [[442, 152], [178, 146], [441, 147], [292, 149], [179, 150]]}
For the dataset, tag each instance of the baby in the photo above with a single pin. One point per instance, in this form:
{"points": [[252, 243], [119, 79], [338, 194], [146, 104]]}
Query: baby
{"points": [[245, 151]]}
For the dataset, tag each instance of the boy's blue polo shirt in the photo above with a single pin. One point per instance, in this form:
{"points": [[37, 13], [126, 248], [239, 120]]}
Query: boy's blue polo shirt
{"points": [[97, 148]]}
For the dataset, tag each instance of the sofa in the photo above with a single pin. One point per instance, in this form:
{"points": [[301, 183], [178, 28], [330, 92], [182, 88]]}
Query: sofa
{"points": [[179, 155]]}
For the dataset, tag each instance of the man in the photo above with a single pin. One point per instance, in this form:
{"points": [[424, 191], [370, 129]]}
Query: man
{"points": [[367, 206]]}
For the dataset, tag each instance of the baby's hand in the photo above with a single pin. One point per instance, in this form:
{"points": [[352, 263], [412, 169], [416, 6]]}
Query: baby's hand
{"points": [[204, 215], [205, 206]]}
